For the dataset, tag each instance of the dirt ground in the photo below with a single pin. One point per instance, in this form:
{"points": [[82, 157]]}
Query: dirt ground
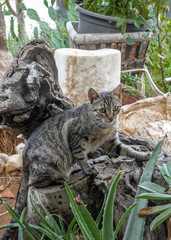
{"points": [[11, 184]]}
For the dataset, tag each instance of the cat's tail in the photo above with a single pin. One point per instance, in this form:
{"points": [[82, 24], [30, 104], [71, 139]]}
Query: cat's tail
{"points": [[20, 204]]}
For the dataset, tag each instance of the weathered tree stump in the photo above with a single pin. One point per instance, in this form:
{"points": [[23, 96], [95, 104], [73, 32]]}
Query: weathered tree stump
{"points": [[92, 190], [30, 93]]}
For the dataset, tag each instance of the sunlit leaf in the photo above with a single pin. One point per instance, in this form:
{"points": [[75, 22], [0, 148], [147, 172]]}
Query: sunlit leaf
{"points": [[153, 210], [46, 3], [23, 6], [52, 13], [36, 33], [159, 219], [32, 14], [45, 28], [130, 41]]}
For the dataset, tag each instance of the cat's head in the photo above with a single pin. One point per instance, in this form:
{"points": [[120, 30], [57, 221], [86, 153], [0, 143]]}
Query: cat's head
{"points": [[106, 105]]}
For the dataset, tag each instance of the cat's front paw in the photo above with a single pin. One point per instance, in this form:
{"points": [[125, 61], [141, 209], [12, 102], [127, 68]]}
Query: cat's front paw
{"points": [[144, 156]]}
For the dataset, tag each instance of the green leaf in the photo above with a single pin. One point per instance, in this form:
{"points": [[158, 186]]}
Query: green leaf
{"points": [[36, 33], [165, 170], [82, 224], [23, 6], [153, 210], [40, 215], [10, 225], [130, 41], [45, 28], [122, 220], [32, 14], [137, 23], [99, 217], [46, 3], [152, 187], [52, 13], [6, 13], [123, 28], [90, 222], [159, 219], [107, 226], [52, 2], [119, 22], [132, 232], [70, 228], [66, 4], [145, 34], [158, 196]]}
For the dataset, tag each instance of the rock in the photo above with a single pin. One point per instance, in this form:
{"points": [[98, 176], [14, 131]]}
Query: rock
{"points": [[15, 161], [149, 118], [3, 160], [78, 70]]}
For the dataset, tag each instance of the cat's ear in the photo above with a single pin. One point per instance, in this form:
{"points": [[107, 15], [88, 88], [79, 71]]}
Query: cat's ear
{"points": [[92, 95], [117, 91]]}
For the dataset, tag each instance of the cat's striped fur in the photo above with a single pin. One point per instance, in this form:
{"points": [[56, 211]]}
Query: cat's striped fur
{"points": [[66, 138]]}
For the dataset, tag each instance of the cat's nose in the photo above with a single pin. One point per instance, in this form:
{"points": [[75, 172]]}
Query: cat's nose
{"points": [[110, 117]]}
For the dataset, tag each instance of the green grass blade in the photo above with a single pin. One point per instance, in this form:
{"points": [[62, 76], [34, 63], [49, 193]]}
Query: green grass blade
{"points": [[51, 232], [70, 228], [82, 224], [122, 220], [99, 217], [62, 225], [39, 214], [90, 222], [157, 196], [13, 225], [10, 210], [107, 226], [20, 230], [152, 187], [153, 210], [74, 232], [50, 218], [166, 172], [132, 232], [45, 209], [161, 218], [17, 218]]}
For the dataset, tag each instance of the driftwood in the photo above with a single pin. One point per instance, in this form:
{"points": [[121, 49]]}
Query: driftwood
{"points": [[92, 190], [30, 93]]}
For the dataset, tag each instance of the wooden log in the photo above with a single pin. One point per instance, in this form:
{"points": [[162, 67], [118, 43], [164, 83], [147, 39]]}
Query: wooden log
{"points": [[92, 190], [30, 91]]}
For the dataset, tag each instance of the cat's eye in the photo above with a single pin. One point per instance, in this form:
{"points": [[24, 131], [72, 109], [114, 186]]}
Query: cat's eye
{"points": [[102, 110], [115, 108]]}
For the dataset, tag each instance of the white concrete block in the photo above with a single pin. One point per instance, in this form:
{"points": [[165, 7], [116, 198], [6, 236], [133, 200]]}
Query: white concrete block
{"points": [[78, 70]]}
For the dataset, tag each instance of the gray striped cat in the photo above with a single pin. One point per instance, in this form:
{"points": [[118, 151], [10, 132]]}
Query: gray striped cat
{"points": [[66, 138]]}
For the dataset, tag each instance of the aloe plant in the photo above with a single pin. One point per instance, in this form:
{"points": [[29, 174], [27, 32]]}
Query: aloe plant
{"points": [[132, 231], [48, 226], [156, 192], [88, 226]]}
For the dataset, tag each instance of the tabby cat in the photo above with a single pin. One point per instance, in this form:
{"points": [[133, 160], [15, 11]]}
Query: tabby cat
{"points": [[66, 138]]}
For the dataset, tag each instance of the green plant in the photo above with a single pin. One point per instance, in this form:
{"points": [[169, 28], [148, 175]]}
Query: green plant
{"points": [[158, 56], [139, 11], [57, 37], [132, 81], [89, 227], [48, 227], [156, 192], [132, 231]]}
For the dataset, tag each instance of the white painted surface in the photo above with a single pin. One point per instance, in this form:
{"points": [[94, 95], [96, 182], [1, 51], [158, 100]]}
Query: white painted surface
{"points": [[78, 70]]}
